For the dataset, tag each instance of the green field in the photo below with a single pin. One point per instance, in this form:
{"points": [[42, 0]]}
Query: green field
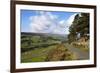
{"points": [[40, 48], [43, 48]]}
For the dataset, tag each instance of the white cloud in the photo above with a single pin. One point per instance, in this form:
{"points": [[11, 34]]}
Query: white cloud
{"points": [[46, 22], [70, 20], [41, 23], [65, 24]]}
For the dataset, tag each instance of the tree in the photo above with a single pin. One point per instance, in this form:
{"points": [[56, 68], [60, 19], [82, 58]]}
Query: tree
{"points": [[80, 26]]}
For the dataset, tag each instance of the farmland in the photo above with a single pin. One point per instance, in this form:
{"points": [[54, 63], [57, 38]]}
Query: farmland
{"points": [[42, 47]]}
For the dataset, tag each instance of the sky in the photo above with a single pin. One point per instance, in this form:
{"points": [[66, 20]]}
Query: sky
{"points": [[55, 22]]}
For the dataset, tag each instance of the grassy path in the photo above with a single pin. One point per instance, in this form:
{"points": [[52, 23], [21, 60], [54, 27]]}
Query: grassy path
{"points": [[81, 55], [39, 55]]}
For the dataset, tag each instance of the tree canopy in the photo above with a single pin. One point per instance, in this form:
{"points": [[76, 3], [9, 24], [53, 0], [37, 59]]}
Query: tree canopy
{"points": [[80, 26]]}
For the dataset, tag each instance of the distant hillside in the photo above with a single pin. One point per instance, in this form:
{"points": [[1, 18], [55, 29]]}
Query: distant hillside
{"points": [[64, 36]]}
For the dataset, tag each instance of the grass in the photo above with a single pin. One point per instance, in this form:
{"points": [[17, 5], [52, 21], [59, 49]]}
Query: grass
{"points": [[39, 59], [37, 55], [70, 56], [51, 53], [84, 48], [60, 53]]}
